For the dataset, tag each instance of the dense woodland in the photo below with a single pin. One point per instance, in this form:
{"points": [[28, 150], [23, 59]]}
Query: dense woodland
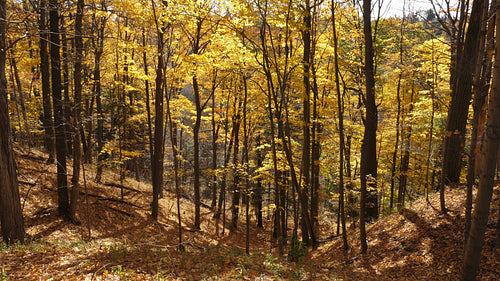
{"points": [[312, 121]]}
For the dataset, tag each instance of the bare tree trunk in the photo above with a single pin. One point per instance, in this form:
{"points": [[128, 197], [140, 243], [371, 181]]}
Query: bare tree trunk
{"points": [[157, 163], [11, 216], [235, 205], [258, 187], [306, 111], [20, 97], [99, 48], [148, 106], [368, 170], [65, 88], [48, 124], [481, 89], [340, 114], [215, 132], [398, 117], [62, 181], [405, 160], [459, 106], [489, 156], [75, 191]]}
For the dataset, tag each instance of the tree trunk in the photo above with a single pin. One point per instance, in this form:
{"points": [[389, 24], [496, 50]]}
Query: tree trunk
{"points": [[472, 256], [215, 132], [48, 125], [481, 89], [196, 130], [398, 117], [235, 205], [340, 114], [306, 111], [98, 49], [21, 102], [405, 160], [157, 163], [11, 216], [62, 181], [368, 170], [177, 181], [65, 87], [196, 162], [459, 106], [258, 186], [75, 191]]}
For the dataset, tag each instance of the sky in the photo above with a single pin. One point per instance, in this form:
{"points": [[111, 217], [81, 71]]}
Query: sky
{"points": [[395, 7]]}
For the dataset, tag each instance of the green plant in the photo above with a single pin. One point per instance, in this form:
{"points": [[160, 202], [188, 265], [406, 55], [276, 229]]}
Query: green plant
{"points": [[275, 267], [118, 251], [300, 274], [118, 270], [297, 250], [240, 267], [3, 275]]}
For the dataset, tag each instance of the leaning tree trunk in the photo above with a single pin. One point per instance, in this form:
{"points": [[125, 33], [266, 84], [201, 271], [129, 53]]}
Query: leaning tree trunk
{"points": [[489, 155], [11, 216]]}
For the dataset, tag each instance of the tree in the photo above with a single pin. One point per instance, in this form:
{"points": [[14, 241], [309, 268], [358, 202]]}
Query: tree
{"points": [[77, 154], [472, 256], [48, 125], [59, 120], [368, 169], [157, 161], [11, 216], [340, 109], [459, 106]]}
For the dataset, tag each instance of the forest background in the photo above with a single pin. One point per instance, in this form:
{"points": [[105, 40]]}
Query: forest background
{"points": [[285, 113]]}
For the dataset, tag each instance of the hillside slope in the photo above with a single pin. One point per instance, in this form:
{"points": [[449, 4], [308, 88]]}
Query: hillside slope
{"points": [[126, 244]]}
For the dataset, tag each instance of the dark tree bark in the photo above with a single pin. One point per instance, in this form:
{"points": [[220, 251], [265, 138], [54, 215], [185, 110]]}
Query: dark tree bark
{"points": [[48, 124], [11, 216], [215, 133], [148, 106], [306, 110], [459, 106], [405, 159], [481, 88], [177, 180], [78, 67], [472, 256], [59, 121], [196, 162], [65, 87], [340, 114], [235, 205], [20, 97], [98, 44], [258, 186], [368, 169], [398, 116], [157, 163]]}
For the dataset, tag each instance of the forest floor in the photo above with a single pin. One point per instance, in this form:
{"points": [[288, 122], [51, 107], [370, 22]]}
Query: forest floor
{"points": [[418, 243]]}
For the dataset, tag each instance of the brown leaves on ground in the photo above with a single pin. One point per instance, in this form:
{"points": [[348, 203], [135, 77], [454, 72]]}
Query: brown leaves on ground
{"points": [[417, 244]]}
